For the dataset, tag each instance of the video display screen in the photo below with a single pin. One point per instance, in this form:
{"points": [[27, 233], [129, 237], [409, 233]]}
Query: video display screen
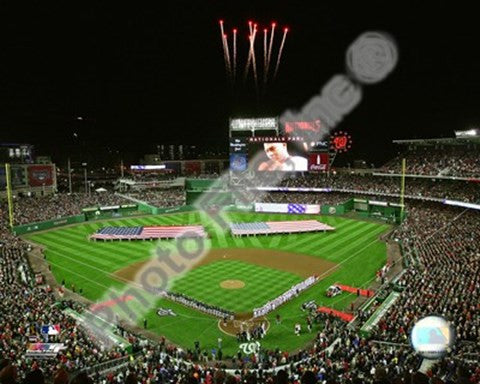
{"points": [[284, 154]]}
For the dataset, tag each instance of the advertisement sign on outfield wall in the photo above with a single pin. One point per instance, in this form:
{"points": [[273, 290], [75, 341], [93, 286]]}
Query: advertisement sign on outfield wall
{"points": [[288, 208]]}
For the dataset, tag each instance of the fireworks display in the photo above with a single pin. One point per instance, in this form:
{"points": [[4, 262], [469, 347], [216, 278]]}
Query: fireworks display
{"points": [[233, 62]]}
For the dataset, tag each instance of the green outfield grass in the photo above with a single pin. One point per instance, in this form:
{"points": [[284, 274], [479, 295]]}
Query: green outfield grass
{"points": [[261, 284], [354, 246]]}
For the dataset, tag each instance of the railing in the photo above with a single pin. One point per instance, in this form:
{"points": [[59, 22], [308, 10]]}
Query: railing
{"points": [[110, 366], [390, 344]]}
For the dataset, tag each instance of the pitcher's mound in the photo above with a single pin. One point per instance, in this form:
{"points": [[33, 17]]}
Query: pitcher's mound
{"points": [[232, 284]]}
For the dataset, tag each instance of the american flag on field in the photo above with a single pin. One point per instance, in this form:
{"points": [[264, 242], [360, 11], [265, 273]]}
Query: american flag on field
{"points": [[272, 227], [153, 232]]}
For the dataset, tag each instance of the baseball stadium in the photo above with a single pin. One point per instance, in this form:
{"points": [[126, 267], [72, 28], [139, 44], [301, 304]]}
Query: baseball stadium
{"points": [[297, 249], [186, 262]]}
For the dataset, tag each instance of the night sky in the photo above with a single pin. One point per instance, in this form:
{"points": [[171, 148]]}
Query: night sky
{"points": [[142, 76]]}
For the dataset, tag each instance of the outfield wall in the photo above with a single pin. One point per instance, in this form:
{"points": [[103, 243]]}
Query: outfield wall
{"points": [[49, 224], [42, 225], [181, 208], [150, 209], [339, 209], [213, 197], [200, 184]]}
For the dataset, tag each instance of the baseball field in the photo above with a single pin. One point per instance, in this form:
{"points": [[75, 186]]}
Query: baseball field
{"points": [[234, 273]]}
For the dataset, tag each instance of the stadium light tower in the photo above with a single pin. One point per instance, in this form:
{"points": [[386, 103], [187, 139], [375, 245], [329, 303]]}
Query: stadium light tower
{"points": [[69, 170], [84, 165]]}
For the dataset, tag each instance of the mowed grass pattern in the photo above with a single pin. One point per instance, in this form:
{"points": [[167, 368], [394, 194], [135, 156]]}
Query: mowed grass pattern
{"points": [[354, 246], [261, 284]]}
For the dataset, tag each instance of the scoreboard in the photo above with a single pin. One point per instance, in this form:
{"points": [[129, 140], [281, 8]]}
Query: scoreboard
{"points": [[25, 177], [265, 153]]}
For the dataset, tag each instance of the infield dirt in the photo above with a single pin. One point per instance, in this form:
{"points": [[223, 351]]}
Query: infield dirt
{"points": [[299, 264]]}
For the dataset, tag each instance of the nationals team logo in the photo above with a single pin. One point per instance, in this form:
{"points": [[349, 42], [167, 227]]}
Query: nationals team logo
{"points": [[39, 175], [165, 312], [340, 142], [249, 348]]}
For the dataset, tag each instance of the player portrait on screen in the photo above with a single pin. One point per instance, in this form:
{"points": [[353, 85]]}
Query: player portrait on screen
{"points": [[280, 160]]}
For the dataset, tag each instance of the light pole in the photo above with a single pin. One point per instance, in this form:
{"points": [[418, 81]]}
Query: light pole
{"points": [[85, 175], [69, 176]]}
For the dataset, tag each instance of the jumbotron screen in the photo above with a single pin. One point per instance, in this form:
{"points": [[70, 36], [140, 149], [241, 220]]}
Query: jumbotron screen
{"points": [[284, 154]]}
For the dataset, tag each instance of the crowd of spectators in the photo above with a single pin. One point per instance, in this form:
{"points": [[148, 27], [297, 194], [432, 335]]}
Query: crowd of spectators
{"points": [[303, 198], [33, 209], [151, 176], [445, 243], [162, 198], [459, 161], [25, 307], [416, 188]]}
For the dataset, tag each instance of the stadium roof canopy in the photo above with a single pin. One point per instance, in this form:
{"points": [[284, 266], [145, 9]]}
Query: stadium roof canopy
{"points": [[445, 141]]}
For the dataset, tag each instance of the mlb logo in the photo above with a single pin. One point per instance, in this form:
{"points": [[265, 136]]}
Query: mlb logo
{"points": [[51, 330], [54, 329]]}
